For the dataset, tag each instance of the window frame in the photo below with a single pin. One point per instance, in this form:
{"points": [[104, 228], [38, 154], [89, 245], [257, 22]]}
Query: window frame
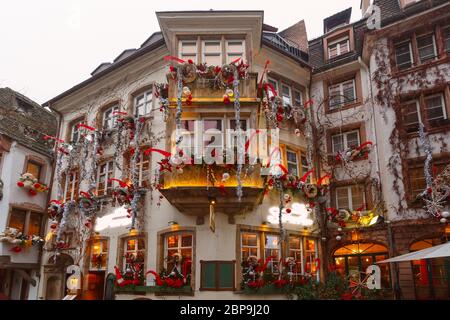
{"points": [[146, 104], [351, 207], [74, 130], [104, 253], [75, 185], [179, 246], [289, 97], [114, 107], [189, 55], [411, 54], [342, 99], [234, 54], [26, 225], [107, 191], [338, 42], [218, 54], [344, 139], [39, 162], [123, 241], [288, 150], [434, 44]]}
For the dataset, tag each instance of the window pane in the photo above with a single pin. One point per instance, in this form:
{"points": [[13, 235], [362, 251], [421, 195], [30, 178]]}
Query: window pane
{"points": [[426, 48], [34, 168], [417, 180], [188, 47], [435, 107], [294, 242], [172, 241], [403, 55], [357, 197], [348, 91], [131, 245], [186, 241], [249, 239], [213, 59], [212, 124], [342, 198], [338, 143], [188, 125], [297, 98], [233, 124], [17, 219], [332, 51], [235, 46], [310, 245], [272, 241], [34, 227], [410, 116], [352, 139], [446, 36]]}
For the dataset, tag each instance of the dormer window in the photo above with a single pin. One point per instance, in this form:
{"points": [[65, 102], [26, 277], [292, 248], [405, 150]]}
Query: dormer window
{"points": [[212, 52], [188, 50], [338, 47]]}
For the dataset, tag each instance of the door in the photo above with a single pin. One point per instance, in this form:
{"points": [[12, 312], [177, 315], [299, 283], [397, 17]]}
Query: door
{"points": [[95, 286]]}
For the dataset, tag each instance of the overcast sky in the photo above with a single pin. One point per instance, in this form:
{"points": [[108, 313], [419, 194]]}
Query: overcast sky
{"points": [[48, 46]]}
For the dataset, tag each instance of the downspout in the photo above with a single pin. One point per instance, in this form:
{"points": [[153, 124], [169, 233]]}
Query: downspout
{"points": [[393, 266], [49, 195]]}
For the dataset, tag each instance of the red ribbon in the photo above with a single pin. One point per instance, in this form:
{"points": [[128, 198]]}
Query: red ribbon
{"points": [[164, 153], [264, 267], [121, 183], [319, 183], [271, 87], [333, 211], [266, 66], [85, 194], [47, 137], [361, 208], [307, 103], [235, 60], [247, 144], [120, 112], [364, 144], [305, 176], [172, 58], [82, 125]]}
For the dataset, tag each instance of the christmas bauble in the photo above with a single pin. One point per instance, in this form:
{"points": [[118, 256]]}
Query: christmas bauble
{"points": [[445, 214], [338, 238]]}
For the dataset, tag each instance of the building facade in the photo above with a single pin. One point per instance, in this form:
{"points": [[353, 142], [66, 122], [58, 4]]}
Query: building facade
{"points": [[26, 170], [349, 190]]}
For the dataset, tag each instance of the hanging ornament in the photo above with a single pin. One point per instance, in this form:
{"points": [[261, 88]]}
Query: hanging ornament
{"points": [[338, 238], [186, 92], [225, 176]]}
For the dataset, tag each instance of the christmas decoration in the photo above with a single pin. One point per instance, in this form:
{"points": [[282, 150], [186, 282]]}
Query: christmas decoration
{"points": [[19, 240], [29, 182]]}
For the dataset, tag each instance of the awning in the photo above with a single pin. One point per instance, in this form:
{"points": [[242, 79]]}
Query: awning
{"points": [[439, 251]]}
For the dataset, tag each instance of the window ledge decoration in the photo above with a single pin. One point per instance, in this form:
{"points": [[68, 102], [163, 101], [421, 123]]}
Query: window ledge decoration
{"points": [[356, 153], [18, 240], [178, 277], [30, 183], [267, 278], [360, 217]]}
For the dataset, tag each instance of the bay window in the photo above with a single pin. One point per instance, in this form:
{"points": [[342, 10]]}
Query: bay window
{"points": [[143, 103], [338, 47], [350, 197], [426, 46], [342, 94], [344, 141]]}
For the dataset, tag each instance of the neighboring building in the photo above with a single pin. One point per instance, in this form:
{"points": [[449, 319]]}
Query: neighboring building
{"points": [[23, 149], [409, 62], [176, 221]]}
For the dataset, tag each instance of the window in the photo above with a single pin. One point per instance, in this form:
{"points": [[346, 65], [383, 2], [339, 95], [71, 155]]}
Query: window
{"points": [[292, 162], [427, 47], [71, 185], [143, 167], [178, 253], [109, 119], [304, 162], [211, 128], [217, 275], [249, 245], [298, 101], [34, 168], [134, 254], [435, 107], [75, 131], [143, 103], [235, 49], [338, 47], [188, 50], [311, 265], [274, 84], [212, 52], [403, 55], [350, 197], [286, 94], [296, 252], [341, 94], [344, 141], [105, 172], [26, 221], [272, 248], [416, 177], [446, 37], [99, 255], [411, 116]]}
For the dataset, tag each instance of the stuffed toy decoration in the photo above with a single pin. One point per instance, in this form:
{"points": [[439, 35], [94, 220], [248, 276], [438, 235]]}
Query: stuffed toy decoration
{"points": [[29, 182], [54, 209], [15, 237]]}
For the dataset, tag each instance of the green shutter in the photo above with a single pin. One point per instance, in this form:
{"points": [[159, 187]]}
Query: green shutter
{"points": [[226, 275], [208, 275]]}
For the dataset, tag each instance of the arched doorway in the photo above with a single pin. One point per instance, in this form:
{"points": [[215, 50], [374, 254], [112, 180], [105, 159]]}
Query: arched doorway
{"points": [[55, 275], [431, 276], [356, 257]]}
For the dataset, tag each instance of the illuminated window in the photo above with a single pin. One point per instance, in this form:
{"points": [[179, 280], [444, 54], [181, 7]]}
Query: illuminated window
{"points": [[178, 250], [34, 168], [249, 245], [99, 255], [134, 253], [311, 264], [26, 221], [296, 252]]}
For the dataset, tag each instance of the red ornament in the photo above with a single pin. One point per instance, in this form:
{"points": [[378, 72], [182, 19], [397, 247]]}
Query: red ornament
{"points": [[226, 99], [279, 117], [20, 184], [37, 185], [288, 210], [16, 249], [32, 192]]}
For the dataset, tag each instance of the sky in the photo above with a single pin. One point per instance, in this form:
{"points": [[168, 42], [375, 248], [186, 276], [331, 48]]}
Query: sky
{"points": [[48, 46]]}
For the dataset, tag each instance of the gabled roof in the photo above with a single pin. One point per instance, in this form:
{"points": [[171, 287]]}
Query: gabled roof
{"points": [[297, 33]]}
